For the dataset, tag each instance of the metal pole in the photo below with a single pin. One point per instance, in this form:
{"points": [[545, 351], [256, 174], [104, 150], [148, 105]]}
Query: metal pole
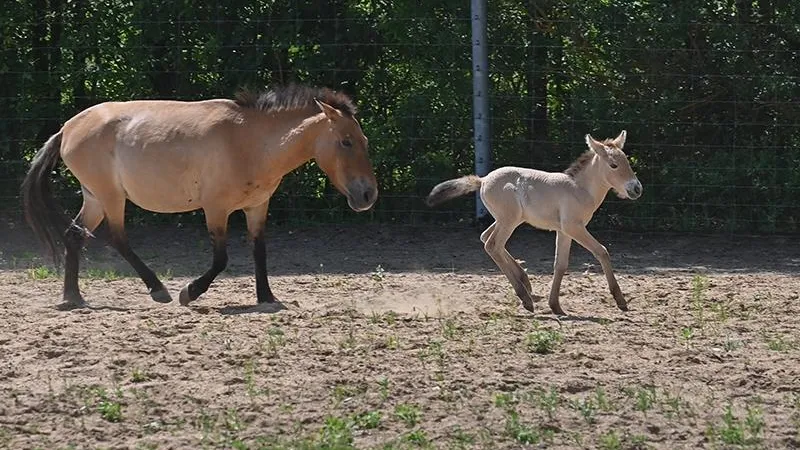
{"points": [[480, 96]]}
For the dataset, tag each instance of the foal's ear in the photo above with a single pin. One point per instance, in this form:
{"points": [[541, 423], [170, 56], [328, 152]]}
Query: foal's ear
{"points": [[332, 113], [596, 146], [619, 141]]}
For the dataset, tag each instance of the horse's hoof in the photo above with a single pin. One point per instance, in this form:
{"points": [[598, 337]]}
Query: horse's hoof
{"points": [[622, 306], [70, 304], [528, 304], [184, 297], [161, 296]]}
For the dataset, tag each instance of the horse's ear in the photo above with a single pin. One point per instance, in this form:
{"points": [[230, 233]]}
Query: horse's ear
{"points": [[596, 146], [619, 141], [332, 113]]}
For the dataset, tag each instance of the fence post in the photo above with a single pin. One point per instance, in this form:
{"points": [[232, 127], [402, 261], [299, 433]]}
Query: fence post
{"points": [[480, 96]]}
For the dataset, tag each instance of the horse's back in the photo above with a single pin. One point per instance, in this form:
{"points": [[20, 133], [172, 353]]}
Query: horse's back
{"points": [[153, 151]]}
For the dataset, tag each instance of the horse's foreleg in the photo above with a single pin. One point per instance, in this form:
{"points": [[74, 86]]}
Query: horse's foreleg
{"points": [[563, 244], [583, 237], [217, 224], [119, 240], [256, 221], [87, 220], [494, 244]]}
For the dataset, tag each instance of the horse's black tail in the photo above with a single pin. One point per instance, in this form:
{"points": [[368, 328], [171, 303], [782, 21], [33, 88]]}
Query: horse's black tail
{"points": [[453, 188], [41, 210]]}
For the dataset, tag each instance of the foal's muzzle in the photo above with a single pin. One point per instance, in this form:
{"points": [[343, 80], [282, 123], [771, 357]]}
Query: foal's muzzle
{"points": [[634, 189]]}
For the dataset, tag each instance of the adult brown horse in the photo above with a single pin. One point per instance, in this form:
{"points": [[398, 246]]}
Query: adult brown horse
{"points": [[171, 156]]}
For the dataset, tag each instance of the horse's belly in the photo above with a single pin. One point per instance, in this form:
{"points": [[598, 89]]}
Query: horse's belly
{"points": [[161, 199]]}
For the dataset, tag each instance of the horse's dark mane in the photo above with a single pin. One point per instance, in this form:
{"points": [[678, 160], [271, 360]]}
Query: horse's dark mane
{"points": [[293, 97], [579, 164]]}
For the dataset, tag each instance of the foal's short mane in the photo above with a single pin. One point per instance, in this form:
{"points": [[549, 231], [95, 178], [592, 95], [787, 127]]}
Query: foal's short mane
{"points": [[293, 97], [579, 164]]}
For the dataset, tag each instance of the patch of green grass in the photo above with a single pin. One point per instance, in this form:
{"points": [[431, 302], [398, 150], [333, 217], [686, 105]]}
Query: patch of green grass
{"points": [[735, 431], [392, 343], [543, 341], [42, 273], [273, 342], [587, 409], [687, 334], [520, 432], [449, 329], [103, 274], [336, 433], [505, 400], [110, 410], [609, 441], [383, 388], [645, 399], [603, 403], [368, 420], [462, 439], [139, 376], [780, 344], [408, 414], [418, 438], [547, 401]]}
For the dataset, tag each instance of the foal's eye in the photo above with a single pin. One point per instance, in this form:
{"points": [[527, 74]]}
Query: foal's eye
{"points": [[347, 143], [613, 165]]}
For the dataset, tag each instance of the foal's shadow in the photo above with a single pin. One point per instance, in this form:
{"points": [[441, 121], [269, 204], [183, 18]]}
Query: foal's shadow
{"points": [[261, 308]]}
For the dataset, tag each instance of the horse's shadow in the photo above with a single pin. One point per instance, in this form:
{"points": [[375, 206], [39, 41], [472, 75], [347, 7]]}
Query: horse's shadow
{"points": [[84, 307], [261, 308]]}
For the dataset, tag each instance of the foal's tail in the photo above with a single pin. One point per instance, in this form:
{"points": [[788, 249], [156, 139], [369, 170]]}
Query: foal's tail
{"points": [[41, 211], [453, 188]]}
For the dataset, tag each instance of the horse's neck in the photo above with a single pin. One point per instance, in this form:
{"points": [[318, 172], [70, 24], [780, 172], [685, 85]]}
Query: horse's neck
{"points": [[292, 148], [590, 181]]}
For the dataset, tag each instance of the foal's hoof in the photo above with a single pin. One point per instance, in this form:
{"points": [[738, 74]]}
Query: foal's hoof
{"points": [[622, 306], [185, 298], [161, 296]]}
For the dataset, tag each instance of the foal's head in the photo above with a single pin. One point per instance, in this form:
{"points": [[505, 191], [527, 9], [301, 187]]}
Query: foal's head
{"points": [[341, 152], [614, 167]]}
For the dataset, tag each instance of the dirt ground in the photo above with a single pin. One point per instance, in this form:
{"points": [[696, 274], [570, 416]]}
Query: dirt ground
{"points": [[396, 337]]}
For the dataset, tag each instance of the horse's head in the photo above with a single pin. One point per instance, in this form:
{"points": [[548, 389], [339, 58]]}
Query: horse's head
{"points": [[616, 170], [341, 152]]}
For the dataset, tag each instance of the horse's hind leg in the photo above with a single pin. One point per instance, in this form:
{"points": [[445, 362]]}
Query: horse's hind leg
{"points": [[495, 247], [87, 220], [217, 223], [115, 214]]}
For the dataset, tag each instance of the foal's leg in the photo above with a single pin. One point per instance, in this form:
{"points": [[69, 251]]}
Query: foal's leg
{"points": [[115, 215], [583, 237], [495, 247], [563, 243], [518, 269], [256, 220], [217, 223], [87, 220]]}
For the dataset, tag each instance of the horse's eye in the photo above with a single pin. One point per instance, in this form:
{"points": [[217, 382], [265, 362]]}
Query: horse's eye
{"points": [[613, 165], [347, 143]]}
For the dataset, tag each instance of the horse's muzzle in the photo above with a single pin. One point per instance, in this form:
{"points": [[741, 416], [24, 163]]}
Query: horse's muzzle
{"points": [[361, 195]]}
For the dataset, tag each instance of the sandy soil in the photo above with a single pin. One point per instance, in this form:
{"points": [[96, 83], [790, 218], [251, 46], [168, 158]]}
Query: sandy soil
{"points": [[399, 337]]}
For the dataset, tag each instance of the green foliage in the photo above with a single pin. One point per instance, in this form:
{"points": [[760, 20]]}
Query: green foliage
{"points": [[704, 92]]}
